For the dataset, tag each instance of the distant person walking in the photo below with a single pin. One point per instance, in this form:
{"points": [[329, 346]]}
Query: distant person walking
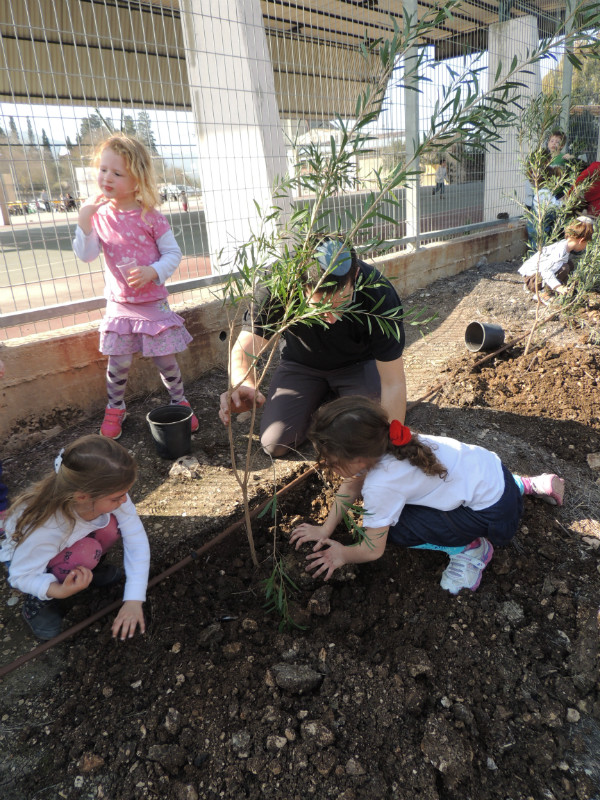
{"points": [[183, 198], [441, 176], [46, 200]]}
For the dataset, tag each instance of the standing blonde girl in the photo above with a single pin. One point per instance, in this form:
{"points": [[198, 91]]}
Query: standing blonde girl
{"points": [[123, 223], [59, 530], [427, 492]]}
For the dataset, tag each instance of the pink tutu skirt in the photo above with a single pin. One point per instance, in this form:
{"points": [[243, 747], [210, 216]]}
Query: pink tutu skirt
{"points": [[151, 329]]}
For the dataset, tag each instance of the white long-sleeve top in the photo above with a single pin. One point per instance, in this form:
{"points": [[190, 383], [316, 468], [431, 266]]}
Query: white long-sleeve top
{"points": [[475, 479], [29, 560], [547, 262]]}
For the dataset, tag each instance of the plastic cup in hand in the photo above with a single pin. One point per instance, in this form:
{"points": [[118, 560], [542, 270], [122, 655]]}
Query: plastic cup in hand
{"points": [[126, 265]]}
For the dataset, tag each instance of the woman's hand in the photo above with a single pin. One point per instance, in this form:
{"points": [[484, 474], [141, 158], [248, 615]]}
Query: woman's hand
{"points": [[326, 561], [310, 533], [242, 399], [129, 617], [76, 581], [138, 277], [87, 211]]}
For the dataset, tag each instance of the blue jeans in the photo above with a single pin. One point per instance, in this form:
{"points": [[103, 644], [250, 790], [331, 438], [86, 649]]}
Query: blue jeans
{"points": [[499, 523]]}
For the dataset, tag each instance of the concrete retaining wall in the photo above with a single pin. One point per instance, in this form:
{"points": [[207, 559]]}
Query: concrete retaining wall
{"points": [[64, 370]]}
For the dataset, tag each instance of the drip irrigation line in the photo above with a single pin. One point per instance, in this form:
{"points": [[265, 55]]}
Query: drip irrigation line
{"points": [[42, 648]]}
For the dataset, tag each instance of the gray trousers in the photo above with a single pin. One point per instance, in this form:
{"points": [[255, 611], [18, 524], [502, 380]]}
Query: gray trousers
{"points": [[297, 391]]}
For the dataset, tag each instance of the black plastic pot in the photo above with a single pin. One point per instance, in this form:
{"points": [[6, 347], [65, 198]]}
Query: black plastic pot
{"points": [[171, 429], [483, 336]]}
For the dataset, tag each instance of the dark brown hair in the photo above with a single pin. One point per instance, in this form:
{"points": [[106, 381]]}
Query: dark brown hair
{"points": [[357, 427]]}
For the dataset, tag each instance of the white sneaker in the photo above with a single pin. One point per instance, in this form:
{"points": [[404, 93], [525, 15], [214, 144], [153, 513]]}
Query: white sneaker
{"points": [[464, 570]]}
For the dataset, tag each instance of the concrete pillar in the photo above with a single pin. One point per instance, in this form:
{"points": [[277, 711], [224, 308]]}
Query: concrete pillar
{"points": [[411, 117], [240, 138], [567, 76], [504, 177]]}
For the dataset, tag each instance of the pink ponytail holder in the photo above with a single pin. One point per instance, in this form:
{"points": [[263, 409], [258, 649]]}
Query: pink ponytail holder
{"points": [[399, 433]]}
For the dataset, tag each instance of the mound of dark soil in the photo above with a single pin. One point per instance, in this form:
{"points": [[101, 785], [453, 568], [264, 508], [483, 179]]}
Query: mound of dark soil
{"points": [[391, 688]]}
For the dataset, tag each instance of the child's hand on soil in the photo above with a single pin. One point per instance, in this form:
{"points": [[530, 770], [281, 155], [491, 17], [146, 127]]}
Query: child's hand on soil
{"points": [[76, 581], [327, 561], [129, 617], [139, 276], [310, 533]]}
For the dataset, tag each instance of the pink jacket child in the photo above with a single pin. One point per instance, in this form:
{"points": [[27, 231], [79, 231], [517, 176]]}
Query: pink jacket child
{"points": [[140, 254]]}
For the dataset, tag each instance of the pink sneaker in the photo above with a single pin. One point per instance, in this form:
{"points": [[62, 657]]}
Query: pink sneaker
{"points": [[195, 423], [549, 488], [113, 422]]}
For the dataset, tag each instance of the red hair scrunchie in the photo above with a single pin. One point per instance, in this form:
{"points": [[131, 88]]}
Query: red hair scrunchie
{"points": [[399, 433]]}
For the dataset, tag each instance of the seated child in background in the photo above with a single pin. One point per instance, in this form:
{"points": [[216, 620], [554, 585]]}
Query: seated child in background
{"points": [[552, 266], [427, 492], [58, 531]]}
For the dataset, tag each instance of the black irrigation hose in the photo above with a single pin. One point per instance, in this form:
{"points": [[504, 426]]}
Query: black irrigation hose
{"points": [[42, 648]]}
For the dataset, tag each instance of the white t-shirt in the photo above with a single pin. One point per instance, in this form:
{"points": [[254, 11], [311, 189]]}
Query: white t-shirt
{"points": [[475, 479], [28, 561], [548, 262]]}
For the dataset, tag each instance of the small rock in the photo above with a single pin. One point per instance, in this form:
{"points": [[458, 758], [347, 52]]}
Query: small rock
{"points": [[573, 715], [173, 721], [417, 662], [212, 633], [170, 756], [89, 762], [184, 791], [13, 600], [275, 767], [512, 612], [249, 625], [185, 467], [593, 460], [319, 603], [107, 691], [324, 762], [240, 742], [232, 649], [592, 542], [275, 743], [176, 647], [354, 767], [319, 733], [491, 764], [296, 678]]}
